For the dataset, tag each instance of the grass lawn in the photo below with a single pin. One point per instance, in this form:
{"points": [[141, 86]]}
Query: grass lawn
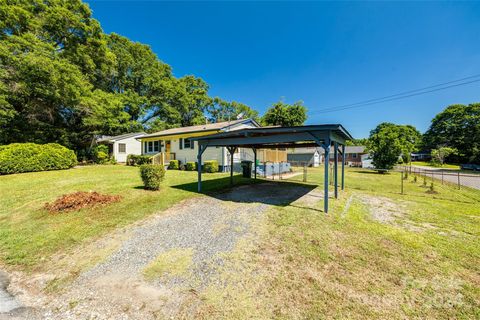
{"points": [[428, 164], [29, 234], [422, 262]]}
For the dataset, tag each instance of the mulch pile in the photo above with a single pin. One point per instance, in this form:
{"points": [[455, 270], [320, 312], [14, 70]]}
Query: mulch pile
{"points": [[78, 200]]}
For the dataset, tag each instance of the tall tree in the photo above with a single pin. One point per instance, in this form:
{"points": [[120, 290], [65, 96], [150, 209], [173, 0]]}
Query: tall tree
{"points": [[388, 141], [285, 115], [458, 127], [221, 110]]}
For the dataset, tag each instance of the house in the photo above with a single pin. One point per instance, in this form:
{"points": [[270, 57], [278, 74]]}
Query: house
{"points": [[175, 144], [121, 146], [309, 156], [313, 156]]}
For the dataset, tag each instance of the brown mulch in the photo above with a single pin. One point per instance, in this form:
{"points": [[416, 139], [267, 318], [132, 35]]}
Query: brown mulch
{"points": [[79, 200]]}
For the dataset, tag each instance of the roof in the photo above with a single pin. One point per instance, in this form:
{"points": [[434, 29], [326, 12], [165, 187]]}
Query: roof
{"points": [[204, 127], [285, 137], [119, 137]]}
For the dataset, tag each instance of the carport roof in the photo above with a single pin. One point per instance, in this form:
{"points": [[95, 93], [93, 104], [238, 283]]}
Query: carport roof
{"points": [[278, 137]]}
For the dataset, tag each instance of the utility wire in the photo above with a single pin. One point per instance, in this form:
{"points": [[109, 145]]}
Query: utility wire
{"points": [[402, 95]]}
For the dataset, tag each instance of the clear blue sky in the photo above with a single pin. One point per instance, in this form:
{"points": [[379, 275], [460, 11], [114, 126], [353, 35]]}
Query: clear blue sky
{"points": [[326, 54]]}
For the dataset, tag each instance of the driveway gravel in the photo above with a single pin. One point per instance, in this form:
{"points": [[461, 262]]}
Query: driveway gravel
{"points": [[207, 226]]}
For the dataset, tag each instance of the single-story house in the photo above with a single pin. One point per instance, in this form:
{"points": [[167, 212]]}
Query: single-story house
{"points": [[175, 144], [121, 146], [313, 157]]}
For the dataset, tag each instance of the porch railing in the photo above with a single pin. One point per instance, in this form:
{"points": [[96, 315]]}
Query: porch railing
{"points": [[163, 158]]}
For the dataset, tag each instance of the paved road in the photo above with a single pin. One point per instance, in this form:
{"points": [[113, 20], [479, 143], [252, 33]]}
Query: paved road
{"points": [[453, 176]]}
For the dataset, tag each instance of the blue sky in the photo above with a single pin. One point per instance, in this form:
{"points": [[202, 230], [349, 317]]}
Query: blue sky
{"points": [[324, 53]]}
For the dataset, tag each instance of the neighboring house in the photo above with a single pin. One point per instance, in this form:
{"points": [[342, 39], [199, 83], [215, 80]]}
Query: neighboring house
{"points": [[309, 156], [175, 144], [121, 146], [353, 155], [421, 156]]}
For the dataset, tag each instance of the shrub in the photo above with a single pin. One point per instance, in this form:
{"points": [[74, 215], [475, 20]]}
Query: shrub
{"points": [[101, 154], [152, 175], [138, 160], [210, 166], [191, 166], [174, 164], [182, 167], [30, 157]]}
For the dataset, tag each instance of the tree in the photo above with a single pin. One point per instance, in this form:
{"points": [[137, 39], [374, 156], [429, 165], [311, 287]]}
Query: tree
{"points": [[439, 155], [220, 110], [389, 141], [285, 115], [458, 127]]}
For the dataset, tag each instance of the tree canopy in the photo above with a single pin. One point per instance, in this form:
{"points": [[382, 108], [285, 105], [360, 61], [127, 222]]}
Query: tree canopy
{"points": [[285, 115], [389, 141], [62, 79], [458, 127]]}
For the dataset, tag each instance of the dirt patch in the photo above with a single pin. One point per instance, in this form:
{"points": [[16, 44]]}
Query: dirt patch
{"points": [[382, 209], [79, 200]]}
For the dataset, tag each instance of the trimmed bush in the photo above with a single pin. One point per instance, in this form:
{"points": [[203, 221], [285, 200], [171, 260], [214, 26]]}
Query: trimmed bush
{"points": [[210, 166], [138, 160], [152, 175], [31, 157], [191, 166], [174, 164], [100, 154]]}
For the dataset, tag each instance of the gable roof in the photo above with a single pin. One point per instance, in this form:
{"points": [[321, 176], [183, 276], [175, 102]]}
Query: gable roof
{"points": [[199, 128], [119, 137]]}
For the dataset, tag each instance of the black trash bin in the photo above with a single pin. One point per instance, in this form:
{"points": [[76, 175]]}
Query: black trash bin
{"points": [[247, 169]]}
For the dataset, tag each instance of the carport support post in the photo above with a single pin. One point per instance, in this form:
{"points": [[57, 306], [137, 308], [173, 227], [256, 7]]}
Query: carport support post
{"points": [[326, 147], [232, 151], [255, 163], [335, 167], [201, 149], [343, 166]]}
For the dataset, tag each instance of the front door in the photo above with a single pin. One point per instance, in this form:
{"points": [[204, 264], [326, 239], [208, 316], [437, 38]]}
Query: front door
{"points": [[167, 150]]}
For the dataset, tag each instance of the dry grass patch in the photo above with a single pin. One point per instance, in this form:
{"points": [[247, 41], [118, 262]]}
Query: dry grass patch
{"points": [[79, 200], [174, 263]]}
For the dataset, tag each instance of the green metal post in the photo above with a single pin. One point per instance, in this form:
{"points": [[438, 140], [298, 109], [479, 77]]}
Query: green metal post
{"points": [[335, 166]]}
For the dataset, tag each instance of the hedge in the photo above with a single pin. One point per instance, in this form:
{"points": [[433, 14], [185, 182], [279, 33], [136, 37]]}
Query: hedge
{"points": [[152, 175], [138, 160], [31, 157], [174, 164], [191, 166], [210, 166]]}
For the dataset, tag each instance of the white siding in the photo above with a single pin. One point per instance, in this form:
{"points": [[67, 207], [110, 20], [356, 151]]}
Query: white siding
{"points": [[132, 146]]}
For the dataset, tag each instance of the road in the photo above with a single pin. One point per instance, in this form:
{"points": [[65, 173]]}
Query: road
{"points": [[471, 180]]}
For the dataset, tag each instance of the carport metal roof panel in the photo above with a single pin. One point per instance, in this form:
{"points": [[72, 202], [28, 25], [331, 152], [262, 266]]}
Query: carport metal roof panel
{"points": [[275, 136]]}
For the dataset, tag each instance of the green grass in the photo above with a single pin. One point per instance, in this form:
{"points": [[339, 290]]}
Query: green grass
{"points": [[175, 263], [306, 264], [428, 164], [29, 234]]}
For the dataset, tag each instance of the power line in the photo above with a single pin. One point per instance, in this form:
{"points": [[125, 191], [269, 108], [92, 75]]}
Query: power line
{"points": [[402, 95]]}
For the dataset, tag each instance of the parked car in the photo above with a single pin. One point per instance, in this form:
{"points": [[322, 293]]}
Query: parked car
{"points": [[470, 166]]}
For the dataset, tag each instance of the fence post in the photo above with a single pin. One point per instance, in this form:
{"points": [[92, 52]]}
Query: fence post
{"points": [[442, 177], [304, 173], [458, 175], [401, 179]]}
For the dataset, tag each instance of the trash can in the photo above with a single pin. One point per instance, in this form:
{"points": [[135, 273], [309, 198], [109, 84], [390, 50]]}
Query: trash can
{"points": [[247, 169]]}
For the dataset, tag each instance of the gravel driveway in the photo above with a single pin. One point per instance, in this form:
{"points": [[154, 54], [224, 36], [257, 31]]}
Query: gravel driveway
{"points": [[205, 226]]}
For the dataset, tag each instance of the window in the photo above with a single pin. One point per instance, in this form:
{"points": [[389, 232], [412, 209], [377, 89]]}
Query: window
{"points": [[122, 148], [152, 146], [187, 143], [354, 155]]}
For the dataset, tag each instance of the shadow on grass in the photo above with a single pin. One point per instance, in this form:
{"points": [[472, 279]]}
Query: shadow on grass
{"points": [[245, 190]]}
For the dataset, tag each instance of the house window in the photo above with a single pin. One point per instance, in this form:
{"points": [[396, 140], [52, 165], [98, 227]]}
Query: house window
{"points": [[354, 155], [152, 146], [122, 148], [187, 143]]}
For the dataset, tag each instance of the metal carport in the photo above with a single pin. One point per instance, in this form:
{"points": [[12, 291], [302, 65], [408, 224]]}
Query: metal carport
{"points": [[281, 137]]}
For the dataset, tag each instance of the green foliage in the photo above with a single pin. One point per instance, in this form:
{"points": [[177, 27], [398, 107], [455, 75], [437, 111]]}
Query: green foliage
{"points": [[458, 126], [285, 115], [138, 160], [152, 175], [191, 166], [29, 157], [210, 166], [439, 155], [388, 141], [221, 110], [357, 142], [174, 165], [62, 79], [101, 154]]}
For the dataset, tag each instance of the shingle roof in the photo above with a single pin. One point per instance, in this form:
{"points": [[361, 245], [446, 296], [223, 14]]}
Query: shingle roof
{"points": [[199, 128], [120, 137]]}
